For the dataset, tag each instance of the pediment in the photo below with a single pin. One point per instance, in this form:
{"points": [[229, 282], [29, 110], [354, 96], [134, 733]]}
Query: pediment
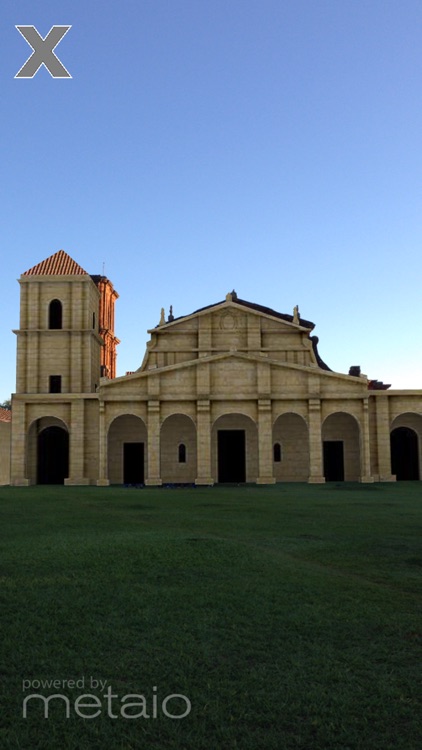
{"points": [[228, 326], [232, 357], [232, 375], [231, 313]]}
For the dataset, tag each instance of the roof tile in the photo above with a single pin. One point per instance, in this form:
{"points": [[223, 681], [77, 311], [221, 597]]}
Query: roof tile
{"points": [[59, 264]]}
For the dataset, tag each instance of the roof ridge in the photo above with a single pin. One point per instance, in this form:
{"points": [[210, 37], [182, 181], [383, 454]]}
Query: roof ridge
{"points": [[252, 306]]}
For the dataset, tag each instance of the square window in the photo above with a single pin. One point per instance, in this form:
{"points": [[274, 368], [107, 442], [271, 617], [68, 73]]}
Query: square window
{"points": [[55, 383]]}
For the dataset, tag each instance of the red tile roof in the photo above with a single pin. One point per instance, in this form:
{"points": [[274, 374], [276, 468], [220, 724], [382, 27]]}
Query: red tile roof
{"points": [[59, 264], [5, 415]]}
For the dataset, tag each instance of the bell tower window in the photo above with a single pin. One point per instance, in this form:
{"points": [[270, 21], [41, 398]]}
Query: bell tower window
{"points": [[55, 314], [55, 384]]}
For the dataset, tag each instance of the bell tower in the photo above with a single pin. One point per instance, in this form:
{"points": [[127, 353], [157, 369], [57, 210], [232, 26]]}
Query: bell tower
{"points": [[108, 296], [65, 342], [58, 341]]}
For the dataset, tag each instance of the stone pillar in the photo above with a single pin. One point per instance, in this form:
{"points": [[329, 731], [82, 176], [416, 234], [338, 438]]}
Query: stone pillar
{"points": [[204, 336], [383, 439], [365, 451], [203, 440], [265, 443], [33, 383], [77, 444], [254, 334], [18, 470], [75, 365], [21, 355], [102, 480], [154, 477], [316, 472], [22, 341]]}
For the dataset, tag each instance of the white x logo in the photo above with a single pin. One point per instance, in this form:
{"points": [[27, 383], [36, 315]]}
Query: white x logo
{"points": [[43, 52]]}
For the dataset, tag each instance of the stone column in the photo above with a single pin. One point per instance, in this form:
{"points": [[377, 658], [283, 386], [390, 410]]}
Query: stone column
{"points": [[22, 341], [102, 480], [21, 356], [18, 469], [154, 477], [383, 439], [316, 472], [365, 451], [203, 442], [75, 366], [33, 382], [77, 444], [265, 443]]}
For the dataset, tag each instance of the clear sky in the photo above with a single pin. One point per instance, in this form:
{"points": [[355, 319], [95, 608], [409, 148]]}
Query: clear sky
{"points": [[270, 146]]}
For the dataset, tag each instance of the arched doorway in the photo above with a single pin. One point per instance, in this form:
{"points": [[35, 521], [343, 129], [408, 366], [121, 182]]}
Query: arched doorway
{"points": [[235, 449], [341, 448], [405, 443], [404, 454], [127, 450], [52, 455]]}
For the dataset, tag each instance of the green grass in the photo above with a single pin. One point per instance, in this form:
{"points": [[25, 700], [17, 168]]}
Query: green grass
{"points": [[290, 616]]}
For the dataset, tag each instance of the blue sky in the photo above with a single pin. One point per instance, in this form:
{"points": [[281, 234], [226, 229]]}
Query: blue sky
{"points": [[271, 146]]}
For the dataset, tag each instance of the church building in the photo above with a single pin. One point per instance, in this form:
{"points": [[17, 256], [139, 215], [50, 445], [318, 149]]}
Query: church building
{"points": [[233, 392]]}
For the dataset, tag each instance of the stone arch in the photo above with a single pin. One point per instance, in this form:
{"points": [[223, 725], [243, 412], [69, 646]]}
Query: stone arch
{"points": [[48, 451], [234, 448], [290, 431], [406, 442], [127, 450], [177, 430], [341, 447]]}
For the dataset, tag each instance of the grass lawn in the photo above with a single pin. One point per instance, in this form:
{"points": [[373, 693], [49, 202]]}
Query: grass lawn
{"points": [[289, 617]]}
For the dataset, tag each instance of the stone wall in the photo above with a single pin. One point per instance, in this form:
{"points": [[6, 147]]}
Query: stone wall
{"points": [[4, 453]]}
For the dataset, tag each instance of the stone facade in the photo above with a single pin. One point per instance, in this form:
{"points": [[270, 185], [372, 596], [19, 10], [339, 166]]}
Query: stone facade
{"points": [[234, 392], [5, 424]]}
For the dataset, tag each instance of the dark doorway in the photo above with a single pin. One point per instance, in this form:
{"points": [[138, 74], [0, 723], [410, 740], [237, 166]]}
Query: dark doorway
{"points": [[333, 461], [404, 454], [133, 463], [231, 456], [53, 456]]}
